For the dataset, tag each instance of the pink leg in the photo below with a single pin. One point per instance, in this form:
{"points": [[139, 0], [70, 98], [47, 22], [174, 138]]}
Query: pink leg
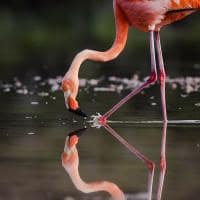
{"points": [[149, 164], [162, 76], [162, 162], [164, 115], [152, 79]]}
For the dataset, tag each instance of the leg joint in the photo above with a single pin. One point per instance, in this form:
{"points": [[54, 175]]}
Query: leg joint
{"points": [[151, 165], [152, 78], [163, 164], [162, 77]]}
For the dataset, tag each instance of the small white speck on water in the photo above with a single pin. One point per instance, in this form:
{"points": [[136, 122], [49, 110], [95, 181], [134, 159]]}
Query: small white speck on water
{"points": [[93, 82], [30, 133], [180, 108], [28, 117], [197, 104], [6, 90], [184, 95], [46, 102], [63, 123], [74, 120], [22, 91], [43, 94], [153, 103], [198, 145], [34, 103], [37, 78], [152, 97], [54, 98]]}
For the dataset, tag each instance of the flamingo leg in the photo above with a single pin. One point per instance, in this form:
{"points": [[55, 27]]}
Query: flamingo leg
{"points": [[162, 77], [152, 79], [149, 164]]}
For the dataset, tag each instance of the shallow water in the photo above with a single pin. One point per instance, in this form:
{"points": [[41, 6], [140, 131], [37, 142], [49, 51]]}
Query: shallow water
{"points": [[34, 124]]}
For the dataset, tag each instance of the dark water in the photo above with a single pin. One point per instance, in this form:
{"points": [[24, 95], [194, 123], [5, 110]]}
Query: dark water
{"points": [[34, 125]]}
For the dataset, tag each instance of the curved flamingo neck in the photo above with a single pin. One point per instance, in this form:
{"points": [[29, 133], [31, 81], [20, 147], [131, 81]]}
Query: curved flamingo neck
{"points": [[118, 45], [72, 170]]}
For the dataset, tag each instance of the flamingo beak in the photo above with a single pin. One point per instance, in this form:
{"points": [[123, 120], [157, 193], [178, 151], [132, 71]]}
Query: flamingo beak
{"points": [[78, 111], [72, 105]]}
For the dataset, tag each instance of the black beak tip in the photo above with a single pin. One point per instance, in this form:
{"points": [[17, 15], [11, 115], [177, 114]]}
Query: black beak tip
{"points": [[77, 132], [79, 112]]}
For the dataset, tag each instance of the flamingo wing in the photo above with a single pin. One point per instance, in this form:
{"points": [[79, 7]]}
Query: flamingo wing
{"points": [[184, 4]]}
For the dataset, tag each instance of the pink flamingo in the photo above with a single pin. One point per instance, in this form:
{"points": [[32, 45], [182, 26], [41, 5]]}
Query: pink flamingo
{"points": [[149, 16], [70, 162]]}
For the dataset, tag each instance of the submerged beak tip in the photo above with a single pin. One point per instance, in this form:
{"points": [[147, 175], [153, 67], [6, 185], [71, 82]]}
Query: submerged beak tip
{"points": [[79, 112]]}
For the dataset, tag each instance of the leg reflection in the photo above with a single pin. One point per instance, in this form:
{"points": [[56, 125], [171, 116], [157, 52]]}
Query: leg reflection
{"points": [[162, 161], [149, 164], [70, 162]]}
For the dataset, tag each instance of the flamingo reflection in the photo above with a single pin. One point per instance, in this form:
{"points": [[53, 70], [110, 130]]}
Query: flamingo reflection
{"points": [[70, 162], [148, 163]]}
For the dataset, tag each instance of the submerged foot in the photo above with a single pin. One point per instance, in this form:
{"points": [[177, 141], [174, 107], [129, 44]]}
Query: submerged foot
{"points": [[98, 120]]}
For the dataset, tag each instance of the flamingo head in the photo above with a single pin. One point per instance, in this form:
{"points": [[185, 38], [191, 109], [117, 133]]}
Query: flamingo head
{"points": [[70, 90], [70, 155], [70, 152]]}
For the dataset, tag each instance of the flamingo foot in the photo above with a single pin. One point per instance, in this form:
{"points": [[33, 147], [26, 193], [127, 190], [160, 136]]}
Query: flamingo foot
{"points": [[98, 120]]}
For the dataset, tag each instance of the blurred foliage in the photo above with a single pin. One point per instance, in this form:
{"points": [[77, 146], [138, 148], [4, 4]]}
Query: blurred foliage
{"points": [[48, 33]]}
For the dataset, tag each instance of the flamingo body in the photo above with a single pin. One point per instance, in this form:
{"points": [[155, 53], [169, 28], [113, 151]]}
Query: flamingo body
{"points": [[153, 14], [145, 15]]}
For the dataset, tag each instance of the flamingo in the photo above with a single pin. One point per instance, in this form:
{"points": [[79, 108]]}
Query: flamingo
{"points": [[147, 16], [70, 162]]}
